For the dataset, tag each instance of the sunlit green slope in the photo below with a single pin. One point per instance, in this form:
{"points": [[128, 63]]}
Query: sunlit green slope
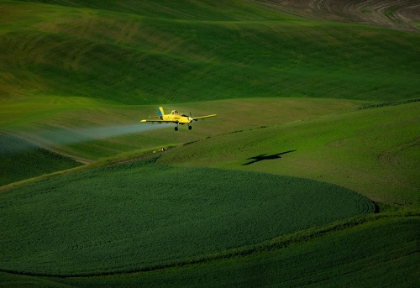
{"points": [[373, 151], [161, 53], [63, 123]]}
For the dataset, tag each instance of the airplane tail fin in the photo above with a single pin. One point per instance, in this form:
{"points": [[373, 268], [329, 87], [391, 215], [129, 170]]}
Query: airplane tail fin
{"points": [[161, 113]]}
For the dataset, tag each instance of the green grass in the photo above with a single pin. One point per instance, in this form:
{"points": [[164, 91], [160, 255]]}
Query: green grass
{"points": [[353, 150], [186, 10], [144, 59], [379, 254], [278, 83], [20, 160], [138, 216], [11, 280], [382, 252], [47, 120]]}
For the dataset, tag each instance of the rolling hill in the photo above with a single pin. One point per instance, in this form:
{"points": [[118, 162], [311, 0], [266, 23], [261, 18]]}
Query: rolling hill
{"points": [[308, 176], [185, 56]]}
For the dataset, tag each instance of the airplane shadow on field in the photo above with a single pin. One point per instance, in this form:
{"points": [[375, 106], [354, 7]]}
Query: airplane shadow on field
{"points": [[263, 157]]}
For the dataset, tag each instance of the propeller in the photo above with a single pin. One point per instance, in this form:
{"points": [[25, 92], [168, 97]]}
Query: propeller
{"points": [[191, 118]]}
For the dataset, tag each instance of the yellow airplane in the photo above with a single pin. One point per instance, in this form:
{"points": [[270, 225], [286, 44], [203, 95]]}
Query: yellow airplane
{"points": [[175, 117]]}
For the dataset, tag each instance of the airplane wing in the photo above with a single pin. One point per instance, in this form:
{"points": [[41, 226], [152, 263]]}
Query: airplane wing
{"points": [[159, 121], [203, 117]]}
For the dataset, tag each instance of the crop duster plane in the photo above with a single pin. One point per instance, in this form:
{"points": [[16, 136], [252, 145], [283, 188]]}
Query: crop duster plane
{"points": [[175, 117]]}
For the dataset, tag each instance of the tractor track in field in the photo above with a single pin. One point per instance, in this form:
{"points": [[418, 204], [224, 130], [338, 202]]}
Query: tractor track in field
{"points": [[394, 14], [391, 156]]}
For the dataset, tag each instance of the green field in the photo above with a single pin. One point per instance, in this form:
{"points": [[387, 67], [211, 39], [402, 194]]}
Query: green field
{"points": [[372, 265], [20, 160], [142, 216], [308, 176], [353, 149], [233, 51]]}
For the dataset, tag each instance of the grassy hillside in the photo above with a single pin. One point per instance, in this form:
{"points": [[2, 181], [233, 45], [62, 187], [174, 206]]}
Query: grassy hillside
{"points": [[89, 130], [248, 50], [272, 175], [20, 160], [378, 254], [354, 150], [183, 9], [165, 215]]}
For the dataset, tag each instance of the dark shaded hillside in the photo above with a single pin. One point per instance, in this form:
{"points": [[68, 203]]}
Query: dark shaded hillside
{"points": [[144, 216], [213, 10], [20, 160]]}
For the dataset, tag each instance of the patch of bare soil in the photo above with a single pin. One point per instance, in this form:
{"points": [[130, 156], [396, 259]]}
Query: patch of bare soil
{"points": [[394, 14]]}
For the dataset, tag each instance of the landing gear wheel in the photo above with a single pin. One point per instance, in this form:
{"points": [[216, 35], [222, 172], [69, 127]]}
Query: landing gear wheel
{"points": [[176, 128], [189, 127]]}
